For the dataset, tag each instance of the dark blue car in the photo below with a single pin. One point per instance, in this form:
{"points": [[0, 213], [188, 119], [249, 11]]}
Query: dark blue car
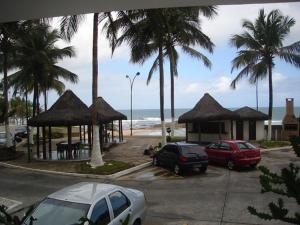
{"points": [[181, 156]]}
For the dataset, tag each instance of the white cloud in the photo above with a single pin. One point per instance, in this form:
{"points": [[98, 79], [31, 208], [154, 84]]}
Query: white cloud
{"points": [[192, 88], [222, 84], [229, 20], [278, 77]]}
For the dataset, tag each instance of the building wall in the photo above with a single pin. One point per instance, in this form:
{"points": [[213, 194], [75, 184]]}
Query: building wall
{"points": [[260, 133], [260, 130], [246, 129]]}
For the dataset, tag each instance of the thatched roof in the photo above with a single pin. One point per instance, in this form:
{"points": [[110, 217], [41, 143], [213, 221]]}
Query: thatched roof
{"points": [[207, 109], [68, 110], [105, 112], [247, 113]]}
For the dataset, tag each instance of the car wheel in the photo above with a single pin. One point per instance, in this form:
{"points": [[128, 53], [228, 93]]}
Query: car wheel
{"points": [[177, 169], [253, 166], [230, 165], [137, 222], [155, 161], [203, 169]]}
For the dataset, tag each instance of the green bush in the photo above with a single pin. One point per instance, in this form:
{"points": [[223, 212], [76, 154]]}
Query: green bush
{"points": [[285, 184], [295, 141], [109, 167], [175, 139], [274, 144]]}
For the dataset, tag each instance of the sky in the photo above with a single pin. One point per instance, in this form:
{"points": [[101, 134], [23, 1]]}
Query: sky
{"points": [[194, 78]]}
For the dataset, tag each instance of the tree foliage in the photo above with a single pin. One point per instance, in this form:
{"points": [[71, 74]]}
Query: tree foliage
{"points": [[286, 184]]}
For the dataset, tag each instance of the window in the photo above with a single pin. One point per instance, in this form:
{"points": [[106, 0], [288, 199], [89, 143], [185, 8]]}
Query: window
{"points": [[225, 146], [209, 127], [245, 145], [100, 214], [171, 149], [213, 146], [119, 202]]}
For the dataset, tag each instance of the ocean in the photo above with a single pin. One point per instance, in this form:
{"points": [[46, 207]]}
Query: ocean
{"points": [[143, 118]]}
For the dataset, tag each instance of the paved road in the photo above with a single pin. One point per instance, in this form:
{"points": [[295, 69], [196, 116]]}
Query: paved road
{"points": [[217, 197]]}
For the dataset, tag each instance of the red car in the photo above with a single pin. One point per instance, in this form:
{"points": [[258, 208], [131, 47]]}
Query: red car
{"points": [[233, 153]]}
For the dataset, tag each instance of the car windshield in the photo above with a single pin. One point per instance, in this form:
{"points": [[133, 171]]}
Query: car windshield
{"points": [[245, 145], [52, 211], [191, 149]]}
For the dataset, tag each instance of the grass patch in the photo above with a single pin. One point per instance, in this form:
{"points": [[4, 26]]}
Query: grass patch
{"points": [[274, 144], [109, 167], [175, 139]]}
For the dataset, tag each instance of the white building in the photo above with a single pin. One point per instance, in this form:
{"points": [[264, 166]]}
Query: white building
{"points": [[209, 121]]}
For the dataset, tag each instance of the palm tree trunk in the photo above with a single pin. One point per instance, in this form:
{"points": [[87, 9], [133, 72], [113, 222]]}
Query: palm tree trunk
{"points": [[270, 102], [172, 98], [161, 94], [45, 99], [5, 92], [96, 158], [34, 99]]}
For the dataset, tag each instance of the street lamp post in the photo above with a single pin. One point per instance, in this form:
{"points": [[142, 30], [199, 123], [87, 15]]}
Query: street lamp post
{"points": [[131, 86]]}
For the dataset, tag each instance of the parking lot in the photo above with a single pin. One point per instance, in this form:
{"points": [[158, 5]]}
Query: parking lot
{"points": [[218, 197]]}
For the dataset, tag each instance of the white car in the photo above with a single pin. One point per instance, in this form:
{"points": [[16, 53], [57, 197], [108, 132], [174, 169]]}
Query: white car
{"points": [[103, 204]]}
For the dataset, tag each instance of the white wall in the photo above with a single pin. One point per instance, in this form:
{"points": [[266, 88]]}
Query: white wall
{"points": [[260, 130], [260, 133], [246, 129]]}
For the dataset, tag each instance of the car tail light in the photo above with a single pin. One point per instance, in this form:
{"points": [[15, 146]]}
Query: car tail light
{"points": [[183, 158]]}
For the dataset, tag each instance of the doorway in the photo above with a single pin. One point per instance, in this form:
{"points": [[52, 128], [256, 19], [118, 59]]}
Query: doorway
{"points": [[239, 130], [252, 130]]}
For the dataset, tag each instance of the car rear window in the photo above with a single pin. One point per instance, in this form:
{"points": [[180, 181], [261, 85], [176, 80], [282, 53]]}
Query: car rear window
{"points": [[192, 149], [245, 145]]}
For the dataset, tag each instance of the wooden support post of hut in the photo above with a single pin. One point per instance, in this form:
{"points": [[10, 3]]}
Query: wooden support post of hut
{"points": [[122, 137], [44, 142], [80, 135], [90, 137], [38, 142], [84, 134], [69, 153], [50, 144], [112, 131], [186, 133], [119, 131]]}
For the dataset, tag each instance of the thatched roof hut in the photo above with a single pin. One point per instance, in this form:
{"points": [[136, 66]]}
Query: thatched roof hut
{"points": [[105, 112], [207, 109], [247, 113], [68, 110]]}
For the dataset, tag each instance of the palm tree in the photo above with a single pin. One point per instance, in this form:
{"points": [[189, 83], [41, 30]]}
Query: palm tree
{"points": [[36, 57], [158, 32], [184, 31], [8, 33], [261, 43], [69, 26]]}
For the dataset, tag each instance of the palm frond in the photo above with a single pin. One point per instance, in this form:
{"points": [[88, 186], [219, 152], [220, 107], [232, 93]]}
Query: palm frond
{"points": [[194, 53], [69, 25]]}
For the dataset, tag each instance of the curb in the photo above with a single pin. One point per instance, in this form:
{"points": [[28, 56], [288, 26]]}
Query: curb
{"points": [[130, 170], [109, 177], [276, 149]]}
